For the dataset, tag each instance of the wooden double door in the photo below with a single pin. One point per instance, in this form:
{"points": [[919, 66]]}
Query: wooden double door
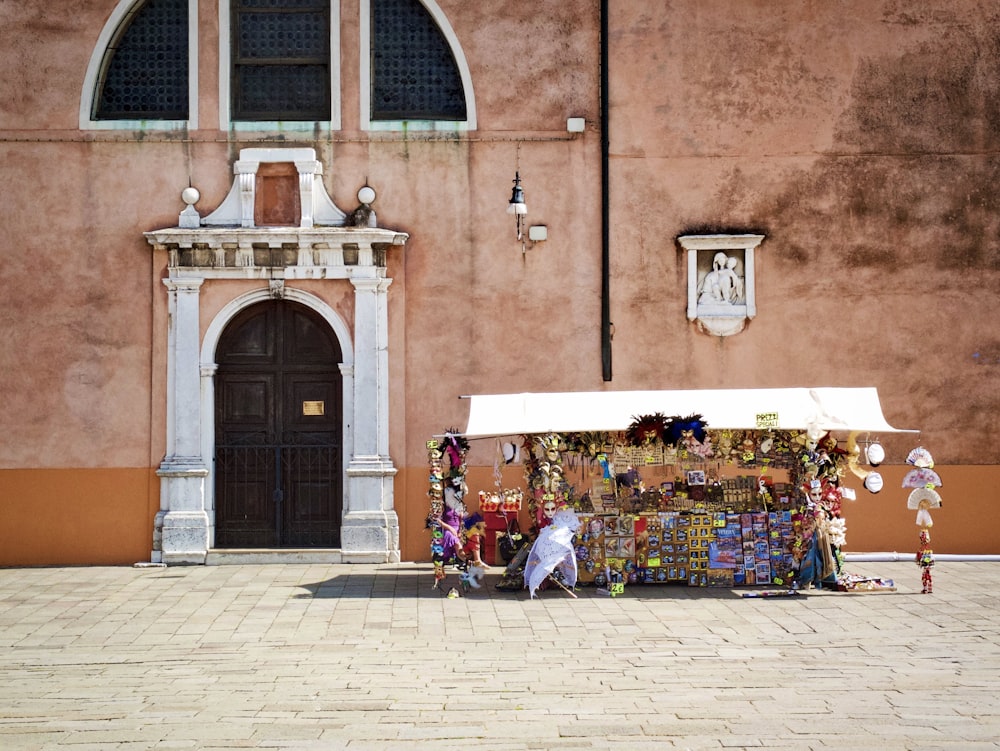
{"points": [[278, 430]]}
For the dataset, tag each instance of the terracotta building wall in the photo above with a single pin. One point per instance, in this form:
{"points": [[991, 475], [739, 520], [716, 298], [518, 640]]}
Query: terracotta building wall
{"points": [[860, 137]]}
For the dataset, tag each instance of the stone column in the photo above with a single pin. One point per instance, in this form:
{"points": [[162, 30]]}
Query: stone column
{"points": [[181, 527], [208, 372], [370, 532], [692, 269], [750, 280]]}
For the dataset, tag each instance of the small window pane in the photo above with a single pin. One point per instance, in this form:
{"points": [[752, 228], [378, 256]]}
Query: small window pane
{"points": [[283, 92], [281, 60], [283, 35], [146, 67], [277, 4], [414, 75]]}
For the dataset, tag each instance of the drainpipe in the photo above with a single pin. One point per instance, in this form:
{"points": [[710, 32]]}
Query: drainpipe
{"points": [[605, 201]]}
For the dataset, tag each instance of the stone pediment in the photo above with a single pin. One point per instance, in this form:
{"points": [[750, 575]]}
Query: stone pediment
{"points": [[241, 207], [277, 215]]}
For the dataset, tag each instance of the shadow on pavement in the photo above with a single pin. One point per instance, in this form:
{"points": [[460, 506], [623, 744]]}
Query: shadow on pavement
{"points": [[418, 582]]}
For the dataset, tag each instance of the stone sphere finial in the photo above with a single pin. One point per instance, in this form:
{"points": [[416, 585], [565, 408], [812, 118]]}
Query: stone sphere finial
{"points": [[190, 196]]}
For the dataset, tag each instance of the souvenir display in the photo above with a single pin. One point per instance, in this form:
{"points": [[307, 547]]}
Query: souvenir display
{"points": [[923, 479], [447, 507], [671, 500]]}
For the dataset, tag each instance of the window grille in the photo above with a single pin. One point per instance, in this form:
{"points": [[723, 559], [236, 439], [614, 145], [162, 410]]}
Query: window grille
{"points": [[280, 63], [414, 75], [145, 71], [281, 60]]}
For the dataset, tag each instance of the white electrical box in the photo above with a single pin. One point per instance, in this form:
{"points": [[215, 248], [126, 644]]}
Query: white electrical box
{"points": [[538, 232]]}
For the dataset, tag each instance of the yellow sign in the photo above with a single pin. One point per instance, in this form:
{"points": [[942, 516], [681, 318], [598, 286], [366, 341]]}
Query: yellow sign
{"points": [[313, 408], [767, 420]]}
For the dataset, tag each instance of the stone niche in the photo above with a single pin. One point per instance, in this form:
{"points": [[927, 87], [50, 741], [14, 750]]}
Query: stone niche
{"points": [[721, 282]]}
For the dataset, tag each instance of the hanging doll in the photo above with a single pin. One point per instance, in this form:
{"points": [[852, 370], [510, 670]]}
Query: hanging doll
{"points": [[445, 531], [475, 528], [925, 559]]}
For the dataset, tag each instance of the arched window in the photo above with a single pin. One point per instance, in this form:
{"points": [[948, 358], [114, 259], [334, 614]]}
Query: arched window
{"points": [[279, 67], [144, 71], [414, 75]]}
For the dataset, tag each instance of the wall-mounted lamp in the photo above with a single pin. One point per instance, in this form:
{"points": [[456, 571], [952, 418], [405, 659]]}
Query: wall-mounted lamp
{"points": [[517, 206]]}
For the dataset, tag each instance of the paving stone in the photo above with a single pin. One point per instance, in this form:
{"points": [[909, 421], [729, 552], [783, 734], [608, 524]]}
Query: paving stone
{"points": [[357, 657]]}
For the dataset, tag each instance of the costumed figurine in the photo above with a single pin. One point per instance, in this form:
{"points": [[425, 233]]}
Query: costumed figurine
{"points": [[475, 569], [545, 512], [552, 556], [816, 553], [925, 559], [765, 492], [828, 457]]}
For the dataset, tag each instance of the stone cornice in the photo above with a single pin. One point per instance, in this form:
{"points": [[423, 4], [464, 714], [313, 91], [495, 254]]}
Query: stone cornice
{"points": [[292, 252], [273, 237]]}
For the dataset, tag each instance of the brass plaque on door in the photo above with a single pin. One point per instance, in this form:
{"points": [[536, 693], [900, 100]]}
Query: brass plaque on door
{"points": [[313, 408]]}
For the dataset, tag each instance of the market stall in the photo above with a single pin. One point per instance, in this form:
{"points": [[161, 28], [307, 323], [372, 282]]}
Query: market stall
{"points": [[704, 487]]}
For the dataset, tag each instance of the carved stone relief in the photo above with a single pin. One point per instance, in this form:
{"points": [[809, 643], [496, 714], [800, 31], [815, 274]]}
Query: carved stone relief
{"points": [[721, 283]]}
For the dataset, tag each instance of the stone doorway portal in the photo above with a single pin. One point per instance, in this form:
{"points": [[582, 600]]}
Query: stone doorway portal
{"points": [[331, 276]]}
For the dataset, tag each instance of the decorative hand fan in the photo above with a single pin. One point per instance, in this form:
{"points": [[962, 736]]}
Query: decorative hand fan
{"points": [[921, 500], [920, 457], [921, 477]]}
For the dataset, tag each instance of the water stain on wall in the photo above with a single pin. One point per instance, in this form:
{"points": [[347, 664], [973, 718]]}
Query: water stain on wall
{"points": [[913, 168]]}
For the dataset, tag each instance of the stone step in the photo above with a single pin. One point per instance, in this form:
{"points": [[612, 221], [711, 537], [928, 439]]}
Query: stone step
{"points": [[242, 556]]}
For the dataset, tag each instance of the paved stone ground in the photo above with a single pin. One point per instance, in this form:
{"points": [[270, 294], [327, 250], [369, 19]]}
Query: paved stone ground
{"points": [[370, 657]]}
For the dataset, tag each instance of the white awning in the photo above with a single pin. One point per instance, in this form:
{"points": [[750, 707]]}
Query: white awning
{"points": [[834, 409]]}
